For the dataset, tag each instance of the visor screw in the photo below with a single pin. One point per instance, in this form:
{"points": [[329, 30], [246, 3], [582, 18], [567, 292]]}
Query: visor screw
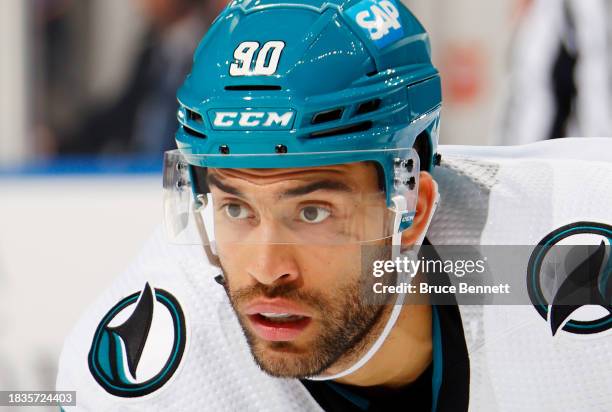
{"points": [[224, 149], [280, 148], [409, 165], [397, 162], [411, 183], [437, 159]]}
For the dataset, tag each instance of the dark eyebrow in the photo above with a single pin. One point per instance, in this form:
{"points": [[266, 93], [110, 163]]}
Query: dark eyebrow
{"points": [[212, 180], [332, 185]]}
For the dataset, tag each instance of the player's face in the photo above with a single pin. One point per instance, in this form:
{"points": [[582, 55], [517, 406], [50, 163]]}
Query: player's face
{"points": [[299, 302]]}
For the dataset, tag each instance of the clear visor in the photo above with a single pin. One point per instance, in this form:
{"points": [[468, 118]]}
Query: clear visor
{"points": [[335, 204]]}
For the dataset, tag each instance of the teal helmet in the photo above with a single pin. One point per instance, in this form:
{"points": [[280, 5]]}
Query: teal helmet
{"points": [[306, 83], [299, 84]]}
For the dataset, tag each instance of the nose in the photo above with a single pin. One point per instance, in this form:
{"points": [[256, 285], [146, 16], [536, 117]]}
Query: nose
{"points": [[271, 262]]}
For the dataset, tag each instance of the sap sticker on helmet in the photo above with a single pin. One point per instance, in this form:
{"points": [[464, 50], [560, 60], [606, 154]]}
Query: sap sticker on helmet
{"points": [[380, 19]]}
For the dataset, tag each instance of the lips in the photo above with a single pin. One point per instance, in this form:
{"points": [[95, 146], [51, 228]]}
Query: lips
{"points": [[277, 320]]}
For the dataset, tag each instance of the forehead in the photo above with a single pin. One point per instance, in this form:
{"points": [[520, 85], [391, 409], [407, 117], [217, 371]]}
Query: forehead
{"points": [[360, 177]]}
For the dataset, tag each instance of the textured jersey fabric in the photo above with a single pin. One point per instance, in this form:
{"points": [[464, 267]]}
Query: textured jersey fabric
{"points": [[488, 196], [516, 196]]}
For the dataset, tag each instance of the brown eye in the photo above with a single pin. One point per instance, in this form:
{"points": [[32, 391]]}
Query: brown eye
{"points": [[314, 214]]}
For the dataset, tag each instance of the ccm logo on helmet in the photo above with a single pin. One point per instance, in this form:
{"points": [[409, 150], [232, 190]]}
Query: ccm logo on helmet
{"points": [[253, 120], [379, 19]]}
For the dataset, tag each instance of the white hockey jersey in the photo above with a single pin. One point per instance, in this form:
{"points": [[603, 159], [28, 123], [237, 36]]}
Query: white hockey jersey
{"points": [[195, 357]]}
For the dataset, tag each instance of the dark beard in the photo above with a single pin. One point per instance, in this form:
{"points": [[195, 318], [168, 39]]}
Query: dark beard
{"points": [[347, 325]]}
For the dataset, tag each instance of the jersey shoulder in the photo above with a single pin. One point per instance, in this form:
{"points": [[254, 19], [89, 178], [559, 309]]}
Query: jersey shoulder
{"points": [[164, 337]]}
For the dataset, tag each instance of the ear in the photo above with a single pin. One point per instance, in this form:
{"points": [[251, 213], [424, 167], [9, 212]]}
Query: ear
{"points": [[426, 205]]}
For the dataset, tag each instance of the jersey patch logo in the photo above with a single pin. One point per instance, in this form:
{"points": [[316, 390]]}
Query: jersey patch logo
{"points": [[379, 19], [139, 343], [581, 299]]}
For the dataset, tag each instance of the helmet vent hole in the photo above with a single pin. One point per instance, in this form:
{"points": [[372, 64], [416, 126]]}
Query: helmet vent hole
{"points": [[368, 107], [252, 87], [196, 117], [327, 116], [355, 128], [194, 133]]}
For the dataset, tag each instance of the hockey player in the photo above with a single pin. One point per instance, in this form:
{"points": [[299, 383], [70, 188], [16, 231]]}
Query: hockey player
{"points": [[308, 131]]}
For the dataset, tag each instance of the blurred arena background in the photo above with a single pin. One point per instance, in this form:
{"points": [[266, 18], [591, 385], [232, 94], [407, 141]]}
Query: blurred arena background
{"points": [[80, 173]]}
